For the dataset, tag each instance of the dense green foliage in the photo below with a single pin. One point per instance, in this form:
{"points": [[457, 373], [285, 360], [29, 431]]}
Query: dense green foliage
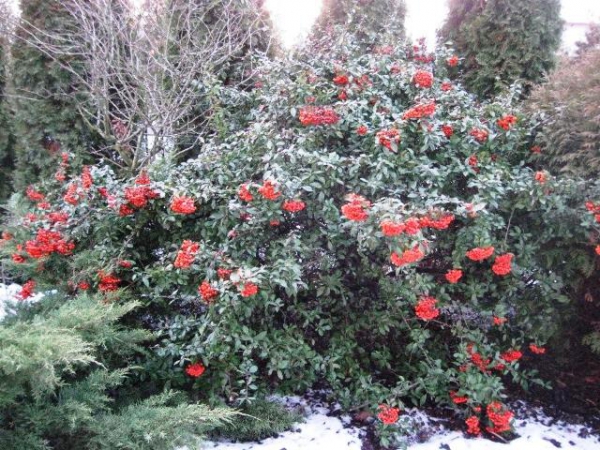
{"points": [[46, 115], [63, 366], [253, 261], [503, 41]]}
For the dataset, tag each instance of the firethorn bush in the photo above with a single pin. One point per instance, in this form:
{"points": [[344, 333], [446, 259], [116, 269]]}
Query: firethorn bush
{"points": [[372, 228]]}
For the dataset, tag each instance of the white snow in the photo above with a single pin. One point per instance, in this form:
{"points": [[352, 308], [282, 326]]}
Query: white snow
{"points": [[534, 435], [322, 432], [319, 431], [8, 298]]}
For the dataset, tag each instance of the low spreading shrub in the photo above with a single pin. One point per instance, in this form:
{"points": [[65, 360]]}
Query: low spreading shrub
{"points": [[373, 228], [63, 371]]}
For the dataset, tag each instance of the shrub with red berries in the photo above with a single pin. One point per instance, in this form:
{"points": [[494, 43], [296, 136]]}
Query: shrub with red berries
{"points": [[342, 242]]}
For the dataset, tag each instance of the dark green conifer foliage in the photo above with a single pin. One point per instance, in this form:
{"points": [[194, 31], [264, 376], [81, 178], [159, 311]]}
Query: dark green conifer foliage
{"points": [[570, 107], [368, 20], [503, 41], [6, 135], [46, 118], [64, 367]]}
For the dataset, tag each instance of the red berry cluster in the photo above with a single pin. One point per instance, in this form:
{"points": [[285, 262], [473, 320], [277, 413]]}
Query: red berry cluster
{"points": [[452, 276], [138, 196], [541, 177], [507, 122], [47, 242], [268, 190], [452, 61], [387, 138], [413, 225], [473, 425], [502, 264], [186, 254], [420, 111], [195, 370], [498, 321], [480, 134], [244, 193], [356, 208], [26, 290], [57, 217], [594, 209], [480, 253], [426, 310], [477, 359], [293, 205], [108, 282], [423, 79], [207, 292], [537, 350], [318, 115], [340, 80], [33, 195], [223, 273], [73, 195], [408, 256], [183, 205], [249, 289], [448, 131], [511, 356], [388, 415], [86, 178], [500, 418], [458, 399]]}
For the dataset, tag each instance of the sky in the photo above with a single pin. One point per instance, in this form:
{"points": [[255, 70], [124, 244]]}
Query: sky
{"points": [[295, 17]]}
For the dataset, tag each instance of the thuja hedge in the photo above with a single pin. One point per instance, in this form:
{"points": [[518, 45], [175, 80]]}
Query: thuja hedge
{"points": [[374, 229]]}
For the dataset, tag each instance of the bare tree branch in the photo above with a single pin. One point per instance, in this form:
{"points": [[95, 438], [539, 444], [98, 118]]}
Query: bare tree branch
{"points": [[144, 72]]}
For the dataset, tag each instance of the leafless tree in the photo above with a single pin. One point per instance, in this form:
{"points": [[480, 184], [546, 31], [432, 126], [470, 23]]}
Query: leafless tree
{"points": [[144, 71]]}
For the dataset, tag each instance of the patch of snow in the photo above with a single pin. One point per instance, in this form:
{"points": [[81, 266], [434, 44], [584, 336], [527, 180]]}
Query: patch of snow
{"points": [[320, 431], [535, 434], [9, 299]]}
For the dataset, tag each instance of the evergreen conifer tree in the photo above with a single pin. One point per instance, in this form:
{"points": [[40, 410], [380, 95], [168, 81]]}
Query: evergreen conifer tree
{"points": [[569, 139], [46, 116], [6, 135], [503, 41], [64, 364], [367, 20]]}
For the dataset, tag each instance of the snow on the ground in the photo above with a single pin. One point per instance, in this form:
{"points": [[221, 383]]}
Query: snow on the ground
{"points": [[319, 431], [8, 298], [323, 432], [534, 435]]}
